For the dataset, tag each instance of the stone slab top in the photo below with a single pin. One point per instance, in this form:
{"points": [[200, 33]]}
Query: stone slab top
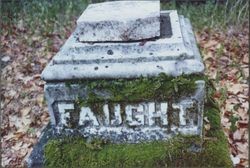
{"points": [[119, 21], [174, 56], [171, 47]]}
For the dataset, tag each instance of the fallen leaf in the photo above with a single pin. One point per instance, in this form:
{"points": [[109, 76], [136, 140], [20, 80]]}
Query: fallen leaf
{"points": [[243, 113], [242, 124], [225, 122], [9, 136], [210, 43], [40, 100], [15, 121], [6, 161], [12, 93], [237, 134], [25, 111], [243, 156], [242, 147], [245, 105], [236, 88], [208, 55], [245, 58], [26, 122], [19, 135], [36, 76], [17, 146]]}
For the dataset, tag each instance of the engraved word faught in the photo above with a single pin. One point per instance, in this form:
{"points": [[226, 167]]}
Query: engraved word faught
{"points": [[142, 114]]}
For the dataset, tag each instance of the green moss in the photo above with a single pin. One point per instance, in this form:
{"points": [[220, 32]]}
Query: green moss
{"points": [[143, 88], [122, 91], [162, 87], [76, 152], [233, 120], [176, 152]]}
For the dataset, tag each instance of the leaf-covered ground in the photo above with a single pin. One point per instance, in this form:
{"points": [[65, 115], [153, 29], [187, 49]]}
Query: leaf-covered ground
{"points": [[25, 53], [226, 57]]}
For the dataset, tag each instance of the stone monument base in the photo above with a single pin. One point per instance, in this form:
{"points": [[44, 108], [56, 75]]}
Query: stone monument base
{"points": [[52, 150], [130, 111]]}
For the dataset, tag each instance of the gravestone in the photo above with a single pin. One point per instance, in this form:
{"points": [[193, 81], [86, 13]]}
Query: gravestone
{"points": [[150, 54]]}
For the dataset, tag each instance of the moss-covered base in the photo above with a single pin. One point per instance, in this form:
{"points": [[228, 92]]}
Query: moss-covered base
{"points": [[176, 152]]}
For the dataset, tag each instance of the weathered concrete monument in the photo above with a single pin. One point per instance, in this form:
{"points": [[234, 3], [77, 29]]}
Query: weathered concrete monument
{"points": [[129, 73]]}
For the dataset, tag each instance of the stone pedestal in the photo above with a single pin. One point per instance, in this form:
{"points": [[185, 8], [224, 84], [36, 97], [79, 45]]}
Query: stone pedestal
{"points": [[116, 45]]}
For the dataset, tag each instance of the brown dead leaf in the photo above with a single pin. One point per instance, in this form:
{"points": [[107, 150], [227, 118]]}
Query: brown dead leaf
{"points": [[15, 121], [243, 96], [243, 156], [208, 55], [6, 161], [212, 73], [245, 59], [36, 76], [242, 124], [18, 135], [243, 113], [237, 135], [26, 122], [17, 146], [244, 162], [11, 93], [9, 136], [45, 117], [225, 122], [230, 105], [245, 105], [25, 111], [40, 100], [210, 43], [242, 147], [236, 88], [232, 100], [246, 72]]}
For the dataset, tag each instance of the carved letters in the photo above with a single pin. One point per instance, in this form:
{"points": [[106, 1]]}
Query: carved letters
{"points": [[142, 114]]}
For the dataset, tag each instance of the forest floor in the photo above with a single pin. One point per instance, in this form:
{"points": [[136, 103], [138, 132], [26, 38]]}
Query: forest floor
{"points": [[25, 53]]}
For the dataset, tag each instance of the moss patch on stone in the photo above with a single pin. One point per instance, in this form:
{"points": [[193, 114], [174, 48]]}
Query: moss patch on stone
{"points": [[162, 87], [180, 151]]}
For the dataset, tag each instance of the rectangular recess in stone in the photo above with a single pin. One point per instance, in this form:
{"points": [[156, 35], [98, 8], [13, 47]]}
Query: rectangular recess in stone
{"points": [[173, 55], [119, 21]]}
